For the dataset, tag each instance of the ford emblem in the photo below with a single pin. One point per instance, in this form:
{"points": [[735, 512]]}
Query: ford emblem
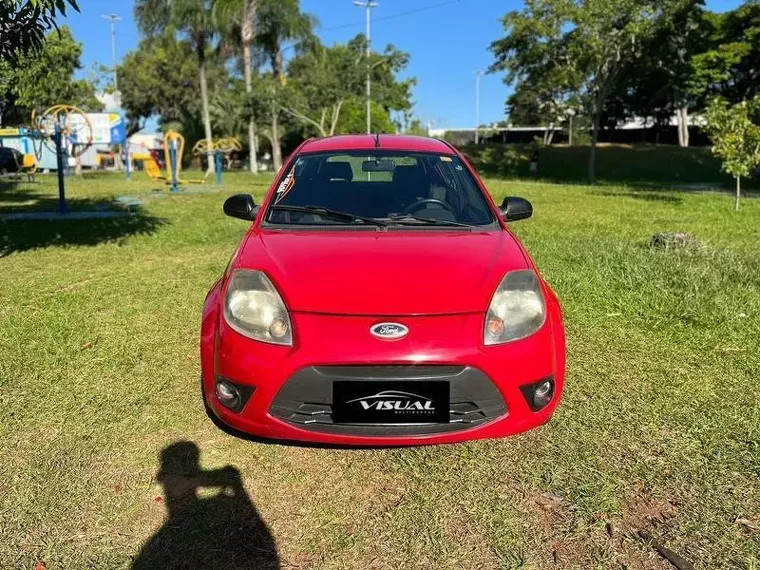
{"points": [[389, 331]]}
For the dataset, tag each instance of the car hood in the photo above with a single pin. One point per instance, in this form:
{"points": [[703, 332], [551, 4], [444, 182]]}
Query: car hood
{"points": [[416, 272]]}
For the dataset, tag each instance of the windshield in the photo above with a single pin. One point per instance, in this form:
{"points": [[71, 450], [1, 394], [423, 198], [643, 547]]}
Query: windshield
{"points": [[379, 188]]}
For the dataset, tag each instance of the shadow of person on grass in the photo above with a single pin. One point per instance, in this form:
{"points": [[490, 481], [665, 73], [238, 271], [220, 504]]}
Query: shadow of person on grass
{"points": [[218, 530]]}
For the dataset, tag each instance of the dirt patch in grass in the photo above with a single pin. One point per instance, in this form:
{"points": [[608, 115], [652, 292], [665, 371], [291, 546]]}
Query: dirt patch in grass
{"points": [[645, 512], [577, 542]]}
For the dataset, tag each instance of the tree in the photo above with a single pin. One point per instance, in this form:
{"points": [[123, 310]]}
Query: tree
{"points": [[263, 101], [738, 52], [735, 132], [546, 102], [320, 81], [193, 20], [25, 23], [238, 21], [665, 81], [323, 79], [411, 125], [158, 81], [693, 56], [43, 78], [280, 21], [583, 46], [353, 118]]}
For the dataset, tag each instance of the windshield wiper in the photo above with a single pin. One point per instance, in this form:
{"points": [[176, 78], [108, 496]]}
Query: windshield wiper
{"points": [[411, 219], [327, 213]]}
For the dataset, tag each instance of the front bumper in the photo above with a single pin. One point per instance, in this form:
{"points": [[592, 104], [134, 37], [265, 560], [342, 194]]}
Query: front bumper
{"points": [[305, 401], [291, 383]]}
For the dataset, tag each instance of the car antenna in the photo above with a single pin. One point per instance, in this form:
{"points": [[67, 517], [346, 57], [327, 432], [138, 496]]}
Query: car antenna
{"points": [[377, 140]]}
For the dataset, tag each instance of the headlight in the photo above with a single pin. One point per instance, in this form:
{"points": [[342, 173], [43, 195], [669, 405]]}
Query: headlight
{"points": [[254, 308], [517, 308]]}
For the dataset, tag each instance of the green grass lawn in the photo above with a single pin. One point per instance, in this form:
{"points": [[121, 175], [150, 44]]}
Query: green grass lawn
{"points": [[659, 429]]}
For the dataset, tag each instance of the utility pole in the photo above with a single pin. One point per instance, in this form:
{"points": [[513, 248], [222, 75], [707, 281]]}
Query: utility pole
{"points": [[113, 18], [477, 104], [368, 5]]}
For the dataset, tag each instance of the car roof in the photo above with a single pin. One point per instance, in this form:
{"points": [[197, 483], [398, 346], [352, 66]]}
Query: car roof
{"points": [[388, 142]]}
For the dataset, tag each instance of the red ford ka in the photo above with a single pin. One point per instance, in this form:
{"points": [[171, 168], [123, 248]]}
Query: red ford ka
{"points": [[379, 298]]}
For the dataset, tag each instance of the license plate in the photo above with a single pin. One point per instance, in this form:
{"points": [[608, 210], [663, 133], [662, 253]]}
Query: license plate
{"points": [[390, 402]]}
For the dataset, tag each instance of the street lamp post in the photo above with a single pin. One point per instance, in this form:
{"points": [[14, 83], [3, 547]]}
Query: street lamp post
{"points": [[113, 18], [478, 74], [368, 5]]}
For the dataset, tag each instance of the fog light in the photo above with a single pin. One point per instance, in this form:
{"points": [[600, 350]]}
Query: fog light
{"points": [[539, 394], [226, 393], [542, 394], [278, 329], [232, 396]]}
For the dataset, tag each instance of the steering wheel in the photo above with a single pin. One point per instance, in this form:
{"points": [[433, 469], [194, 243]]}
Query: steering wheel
{"points": [[413, 207]]}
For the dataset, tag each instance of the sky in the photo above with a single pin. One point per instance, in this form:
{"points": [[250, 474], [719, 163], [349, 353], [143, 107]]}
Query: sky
{"points": [[447, 40]]}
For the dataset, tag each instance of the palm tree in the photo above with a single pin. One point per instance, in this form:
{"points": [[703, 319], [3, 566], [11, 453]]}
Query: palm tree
{"points": [[279, 21], [237, 19], [192, 18]]}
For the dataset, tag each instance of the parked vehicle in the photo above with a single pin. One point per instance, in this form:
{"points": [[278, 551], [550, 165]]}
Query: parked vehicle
{"points": [[379, 298], [11, 160]]}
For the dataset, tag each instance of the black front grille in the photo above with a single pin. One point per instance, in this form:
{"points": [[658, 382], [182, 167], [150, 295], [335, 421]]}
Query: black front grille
{"points": [[305, 400]]}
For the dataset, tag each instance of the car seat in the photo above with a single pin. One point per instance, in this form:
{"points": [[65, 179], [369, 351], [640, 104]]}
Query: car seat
{"points": [[409, 185]]}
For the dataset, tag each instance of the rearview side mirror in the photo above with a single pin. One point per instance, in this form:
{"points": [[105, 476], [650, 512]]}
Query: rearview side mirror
{"points": [[241, 206], [378, 166], [514, 208]]}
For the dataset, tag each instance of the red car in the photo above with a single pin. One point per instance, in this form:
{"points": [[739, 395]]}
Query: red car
{"points": [[379, 298]]}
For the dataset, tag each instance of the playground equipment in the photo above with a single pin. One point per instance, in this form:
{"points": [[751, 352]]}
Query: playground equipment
{"points": [[70, 122], [65, 130], [174, 148], [55, 137], [220, 149], [84, 136]]}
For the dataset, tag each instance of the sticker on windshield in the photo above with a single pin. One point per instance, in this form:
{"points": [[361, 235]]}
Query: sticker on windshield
{"points": [[445, 159], [286, 185]]}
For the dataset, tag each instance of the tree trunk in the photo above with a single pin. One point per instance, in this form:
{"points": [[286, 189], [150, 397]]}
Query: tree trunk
{"points": [[335, 116], [738, 192], [592, 150], [204, 103], [78, 165], [276, 151], [252, 147], [277, 66], [682, 120], [118, 162], [277, 75], [254, 164], [679, 126], [249, 18], [549, 134]]}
